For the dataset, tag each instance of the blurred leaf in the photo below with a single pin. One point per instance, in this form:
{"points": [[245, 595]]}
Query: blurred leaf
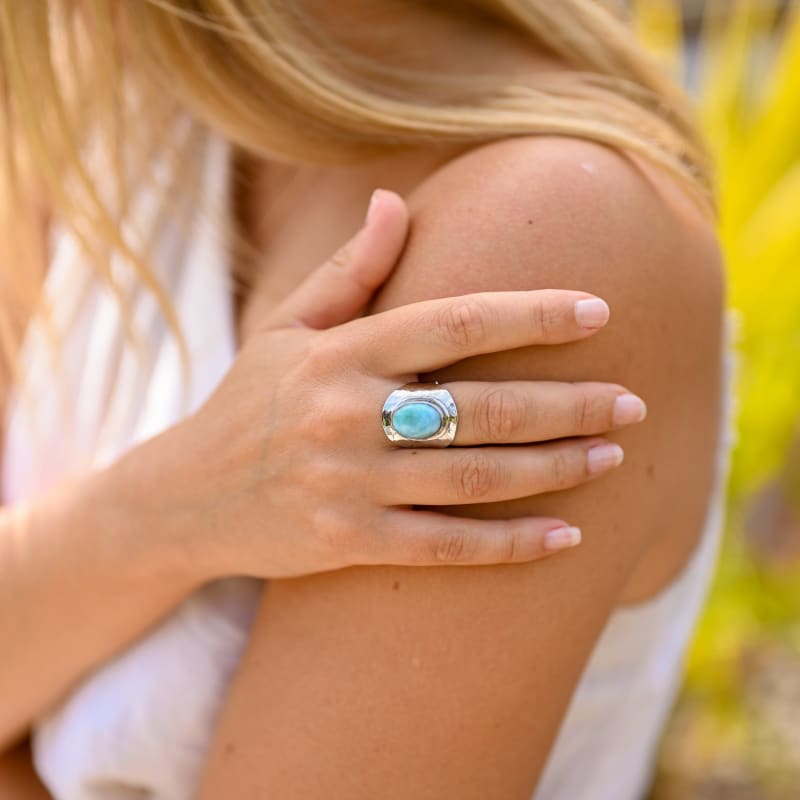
{"points": [[659, 25]]}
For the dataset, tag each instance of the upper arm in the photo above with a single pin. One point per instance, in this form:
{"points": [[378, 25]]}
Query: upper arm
{"points": [[414, 682], [553, 213]]}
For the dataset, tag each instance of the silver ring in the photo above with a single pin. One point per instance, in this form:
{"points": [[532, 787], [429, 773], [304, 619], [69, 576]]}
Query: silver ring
{"points": [[420, 415]]}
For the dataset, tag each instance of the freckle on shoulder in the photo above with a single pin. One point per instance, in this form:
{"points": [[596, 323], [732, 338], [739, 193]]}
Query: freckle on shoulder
{"points": [[565, 186]]}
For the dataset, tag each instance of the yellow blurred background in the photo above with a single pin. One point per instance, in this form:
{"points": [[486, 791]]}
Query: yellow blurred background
{"points": [[735, 734]]}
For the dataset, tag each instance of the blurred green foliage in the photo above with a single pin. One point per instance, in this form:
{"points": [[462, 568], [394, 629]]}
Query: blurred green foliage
{"points": [[736, 732]]}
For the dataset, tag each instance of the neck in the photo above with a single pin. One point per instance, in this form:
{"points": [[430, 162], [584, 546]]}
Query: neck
{"points": [[424, 38], [421, 37]]}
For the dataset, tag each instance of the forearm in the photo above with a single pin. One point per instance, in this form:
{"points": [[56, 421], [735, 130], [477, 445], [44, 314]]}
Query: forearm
{"points": [[83, 571]]}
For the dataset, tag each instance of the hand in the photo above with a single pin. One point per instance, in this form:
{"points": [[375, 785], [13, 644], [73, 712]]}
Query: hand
{"points": [[286, 470]]}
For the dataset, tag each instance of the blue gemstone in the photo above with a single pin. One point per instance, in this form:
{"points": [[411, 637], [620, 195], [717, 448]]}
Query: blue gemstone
{"points": [[417, 420]]}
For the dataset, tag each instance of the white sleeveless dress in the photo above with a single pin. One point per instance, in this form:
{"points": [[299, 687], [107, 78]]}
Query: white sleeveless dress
{"points": [[139, 726]]}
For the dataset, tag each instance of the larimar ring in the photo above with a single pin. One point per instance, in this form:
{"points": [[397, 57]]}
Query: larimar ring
{"points": [[420, 415]]}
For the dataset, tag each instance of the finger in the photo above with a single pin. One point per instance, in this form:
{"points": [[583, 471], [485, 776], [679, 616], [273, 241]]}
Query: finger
{"points": [[424, 336], [428, 538], [491, 474], [515, 412], [339, 290]]}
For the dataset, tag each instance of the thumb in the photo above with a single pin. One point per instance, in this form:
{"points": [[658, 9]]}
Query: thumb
{"points": [[337, 291]]}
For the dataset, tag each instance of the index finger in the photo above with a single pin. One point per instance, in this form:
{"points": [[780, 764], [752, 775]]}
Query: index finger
{"points": [[423, 336]]}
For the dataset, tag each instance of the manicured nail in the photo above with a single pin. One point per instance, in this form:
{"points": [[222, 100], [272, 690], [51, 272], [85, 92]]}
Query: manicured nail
{"points": [[592, 313], [628, 410], [373, 202], [604, 457], [562, 538]]}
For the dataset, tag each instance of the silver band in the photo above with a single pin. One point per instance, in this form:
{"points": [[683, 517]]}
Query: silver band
{"points": [[419, 405]]}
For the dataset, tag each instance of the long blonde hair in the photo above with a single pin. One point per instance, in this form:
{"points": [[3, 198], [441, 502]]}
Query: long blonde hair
{"points": [[113, 76]]}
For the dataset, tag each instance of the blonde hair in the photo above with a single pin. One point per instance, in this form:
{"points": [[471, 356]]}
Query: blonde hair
{"points": [[114, 76]]}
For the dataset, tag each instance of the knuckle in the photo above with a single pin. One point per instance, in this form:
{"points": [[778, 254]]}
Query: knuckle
{"points": [[562, 473], [511, 545], [591, 412], [538, 319], [583, 411], [345, 347], [463, 322], [514, 545], [453, 546], [321, 423], [502, 415], [333, 416], [342, 259], [332, 533], [322, 480], [546, 318], [324, 438], [318, 350], [328, 352], [476, 476]]}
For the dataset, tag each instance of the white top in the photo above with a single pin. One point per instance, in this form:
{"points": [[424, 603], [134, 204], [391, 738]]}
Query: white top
{"points": [[140, 725]]}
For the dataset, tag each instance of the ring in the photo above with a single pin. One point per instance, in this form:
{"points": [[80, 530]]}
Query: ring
{"points": [[420, 415]]}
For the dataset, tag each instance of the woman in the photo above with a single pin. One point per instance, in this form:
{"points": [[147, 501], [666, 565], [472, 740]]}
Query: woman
{"points": [[536, 147]]}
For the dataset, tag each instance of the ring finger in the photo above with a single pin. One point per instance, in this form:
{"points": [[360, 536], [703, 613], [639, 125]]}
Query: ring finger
{"points": [[516, 412]]}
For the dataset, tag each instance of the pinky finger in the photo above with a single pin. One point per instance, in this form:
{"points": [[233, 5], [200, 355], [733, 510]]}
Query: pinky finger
{"points": [[428, 538]]}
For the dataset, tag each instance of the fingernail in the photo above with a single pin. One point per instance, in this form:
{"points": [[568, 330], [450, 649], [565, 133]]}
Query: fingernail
{"points": [[373, 202], [562, 538], [592, 313], [604, 457], [628, 410]]}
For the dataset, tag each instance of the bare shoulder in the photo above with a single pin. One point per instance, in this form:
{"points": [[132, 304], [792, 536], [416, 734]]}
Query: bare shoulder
{"points": [[542, 208], [551, 212]]}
